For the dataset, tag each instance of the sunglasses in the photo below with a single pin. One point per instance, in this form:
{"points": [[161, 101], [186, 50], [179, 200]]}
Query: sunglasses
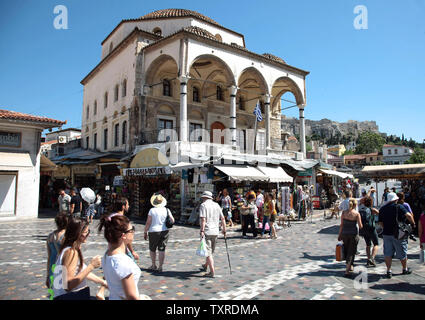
{"points": [[132, 230]]}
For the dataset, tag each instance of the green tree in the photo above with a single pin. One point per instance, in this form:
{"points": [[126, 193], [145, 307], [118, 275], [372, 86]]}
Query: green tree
{"points": [[418, 156], [369, 142], [348, 152]]}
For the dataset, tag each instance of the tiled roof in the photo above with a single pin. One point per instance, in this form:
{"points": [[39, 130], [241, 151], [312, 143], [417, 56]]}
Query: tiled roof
{"points": [[175, 13], [200, 32], [12, 115], [273, 57]]}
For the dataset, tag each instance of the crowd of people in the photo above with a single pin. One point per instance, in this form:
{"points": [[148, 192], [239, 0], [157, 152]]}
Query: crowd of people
{"points": [[394, 220]]}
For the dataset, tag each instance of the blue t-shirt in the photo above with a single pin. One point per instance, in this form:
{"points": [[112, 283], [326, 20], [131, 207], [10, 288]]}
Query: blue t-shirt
{"points": [[387, 215]]}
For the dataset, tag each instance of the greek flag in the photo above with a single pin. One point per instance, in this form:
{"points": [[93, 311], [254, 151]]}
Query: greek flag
{"points": [[257, 112]]}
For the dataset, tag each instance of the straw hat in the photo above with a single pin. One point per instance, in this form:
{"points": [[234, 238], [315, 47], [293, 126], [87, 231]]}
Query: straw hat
{"points": [[158, 201]]}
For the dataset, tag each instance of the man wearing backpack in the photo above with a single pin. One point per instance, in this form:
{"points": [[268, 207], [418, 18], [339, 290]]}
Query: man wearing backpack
{"points": [[367, 213]]}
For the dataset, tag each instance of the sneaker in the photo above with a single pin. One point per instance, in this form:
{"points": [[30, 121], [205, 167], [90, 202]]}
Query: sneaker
{"points": [[389, 274], [372, 263], [407, 271]]}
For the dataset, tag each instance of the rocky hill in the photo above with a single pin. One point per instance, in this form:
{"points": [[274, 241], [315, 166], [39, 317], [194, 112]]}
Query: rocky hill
{"points": [[328, 129]]}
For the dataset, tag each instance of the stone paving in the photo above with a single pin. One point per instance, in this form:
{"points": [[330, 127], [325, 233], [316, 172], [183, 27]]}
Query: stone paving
{"points": [[299, 265]]}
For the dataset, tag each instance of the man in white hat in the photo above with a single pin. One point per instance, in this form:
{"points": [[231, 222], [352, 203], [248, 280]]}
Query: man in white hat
{"points": [[388, 216], [210, 215]]}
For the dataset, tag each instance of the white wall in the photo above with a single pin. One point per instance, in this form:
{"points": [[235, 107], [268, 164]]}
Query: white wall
{"points": [[28, 175], [120, 67]]}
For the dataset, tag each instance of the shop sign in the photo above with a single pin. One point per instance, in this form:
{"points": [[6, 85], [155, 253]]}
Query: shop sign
{"points": [[306, 173], [87, 170], [118, 181], [62, 172], [154, 171], [10, 139]]}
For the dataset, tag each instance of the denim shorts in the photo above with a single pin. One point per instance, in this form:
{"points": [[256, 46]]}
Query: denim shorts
{"points": [[392, 245]]}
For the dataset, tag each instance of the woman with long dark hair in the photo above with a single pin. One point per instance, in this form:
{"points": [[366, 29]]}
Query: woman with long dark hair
{"points": [[121, 272], [71, 273]]}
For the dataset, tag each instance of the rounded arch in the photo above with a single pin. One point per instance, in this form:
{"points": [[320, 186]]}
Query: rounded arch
{"points": [[253, 74], [196, 115], [283, 85], [165, 109], [164, 63], [208, 61]]}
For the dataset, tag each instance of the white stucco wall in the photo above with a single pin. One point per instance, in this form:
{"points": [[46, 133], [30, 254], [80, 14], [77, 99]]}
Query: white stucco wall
{"points": [[28, 182], [120, 67]]}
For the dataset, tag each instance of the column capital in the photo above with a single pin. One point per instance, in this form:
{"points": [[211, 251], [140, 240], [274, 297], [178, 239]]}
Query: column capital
{"points": [[183, 79], [233, 90], [267, 98]]}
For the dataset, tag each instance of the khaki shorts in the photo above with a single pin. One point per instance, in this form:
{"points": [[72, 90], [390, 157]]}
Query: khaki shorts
{"points": [[211, 241], [158, 240]]}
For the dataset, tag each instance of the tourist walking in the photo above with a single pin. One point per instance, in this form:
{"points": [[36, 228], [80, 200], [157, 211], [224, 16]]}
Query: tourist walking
{"points": [[121, 273], [249, 215], [388, 217], [421, 231], [259, 201], [76, 205], [267, 212], [70, 265], [121, 207], [210, 215], [157, 231], [64, 202], [273, 215], [368, 231], [349, 234], [226, 205], [54, 243]]}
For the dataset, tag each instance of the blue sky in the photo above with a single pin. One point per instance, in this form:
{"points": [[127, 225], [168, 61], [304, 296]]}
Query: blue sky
{"points": [[374, 74]]}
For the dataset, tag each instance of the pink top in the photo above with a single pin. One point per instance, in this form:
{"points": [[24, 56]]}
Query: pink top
{"points": [[422, 219]]}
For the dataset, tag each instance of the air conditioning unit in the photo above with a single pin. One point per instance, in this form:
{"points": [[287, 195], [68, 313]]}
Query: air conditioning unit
{"points": [[62, 139], [299, 156]]}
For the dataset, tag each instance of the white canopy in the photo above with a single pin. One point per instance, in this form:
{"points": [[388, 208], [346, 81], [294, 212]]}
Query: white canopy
{"points": [[242, 173], [276, 174], [185, 166], [337, 173]]}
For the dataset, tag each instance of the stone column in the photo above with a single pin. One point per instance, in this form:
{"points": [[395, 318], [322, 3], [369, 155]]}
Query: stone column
{"points": [[302, 131], [183, 109], [267, 110], [233, 91]]}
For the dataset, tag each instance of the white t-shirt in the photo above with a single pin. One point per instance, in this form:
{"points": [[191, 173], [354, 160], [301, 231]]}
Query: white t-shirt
{"points": [[213, 214], [158, 219], [259, 201], [345, 205], [115, 268]]}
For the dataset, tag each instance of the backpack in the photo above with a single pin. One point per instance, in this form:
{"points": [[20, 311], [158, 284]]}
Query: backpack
{"points": [[368, 220]]}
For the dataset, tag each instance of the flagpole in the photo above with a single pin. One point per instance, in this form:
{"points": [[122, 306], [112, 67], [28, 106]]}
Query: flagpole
{"points": [[255, 135]]}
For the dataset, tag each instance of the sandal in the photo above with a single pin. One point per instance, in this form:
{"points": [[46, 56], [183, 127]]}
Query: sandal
{"points": [[209, 275], [159, 270], [152, 268]]}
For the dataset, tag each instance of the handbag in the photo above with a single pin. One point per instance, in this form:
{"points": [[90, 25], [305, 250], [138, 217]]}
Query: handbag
{"points": [[202, 249], [402, 229], [168, 222], [339, 252]]}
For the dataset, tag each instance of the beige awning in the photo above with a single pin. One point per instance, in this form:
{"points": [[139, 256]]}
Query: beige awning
{"points": [[276, 174], [242, 173], [46, 164], [15, 159], [397, 171]]}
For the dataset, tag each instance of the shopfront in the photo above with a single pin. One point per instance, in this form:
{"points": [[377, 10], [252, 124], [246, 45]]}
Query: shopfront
{"points": [[84, 176]]}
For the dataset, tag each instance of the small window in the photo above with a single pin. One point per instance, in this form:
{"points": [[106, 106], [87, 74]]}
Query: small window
{"points": [[241, 103], [395, 151], [389, 151], [117, 88], [95, 107], [157, 31], [166, 88], [111, 46], [124, 132], [87, 142], [124, 88], [95, 141], [117, 134], [105, 104], [219, 93], [87, 111], [105, 139], [196, 95]]}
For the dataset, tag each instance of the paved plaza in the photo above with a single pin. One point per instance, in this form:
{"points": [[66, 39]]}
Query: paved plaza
{"points": [[299, 265]]}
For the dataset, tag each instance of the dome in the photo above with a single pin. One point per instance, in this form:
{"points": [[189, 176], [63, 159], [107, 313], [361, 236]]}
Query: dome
{"points": [[176, 13], [273, 57]]}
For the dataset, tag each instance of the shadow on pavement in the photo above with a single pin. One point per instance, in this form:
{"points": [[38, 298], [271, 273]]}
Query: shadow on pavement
{"points": [[401, 287], [47, 213], [317, 258], [329, 230], [182, 275]]}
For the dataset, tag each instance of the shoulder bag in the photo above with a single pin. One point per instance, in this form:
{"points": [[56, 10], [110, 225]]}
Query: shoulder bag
{"points": [[402, 229], [168, 222]]}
